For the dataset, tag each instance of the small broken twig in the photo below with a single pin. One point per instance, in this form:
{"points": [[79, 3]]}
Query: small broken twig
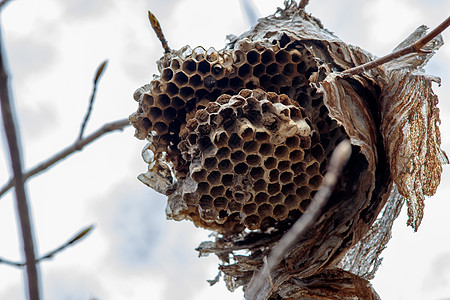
{"points": [[159, 33], [98, 75], [15, 154], [338, 160], [77, 146], [413, 48]]}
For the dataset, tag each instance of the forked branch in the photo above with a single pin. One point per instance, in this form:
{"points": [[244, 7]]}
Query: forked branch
{"points": [[98, 75], [15, 155], [413, 48]]}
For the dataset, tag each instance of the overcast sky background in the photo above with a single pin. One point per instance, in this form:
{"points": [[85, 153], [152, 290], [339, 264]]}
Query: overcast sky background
{"points": [[54, 48]]}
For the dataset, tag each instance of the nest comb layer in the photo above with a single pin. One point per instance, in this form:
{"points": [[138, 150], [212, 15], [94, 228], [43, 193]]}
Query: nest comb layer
{"points": [[228, 124]]}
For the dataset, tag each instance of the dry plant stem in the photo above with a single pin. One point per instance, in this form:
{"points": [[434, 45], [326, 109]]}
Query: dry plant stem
{"points": [[415, 47], [77, 146], [98, 75], [157, 28], [338, 160], [18, 180]]}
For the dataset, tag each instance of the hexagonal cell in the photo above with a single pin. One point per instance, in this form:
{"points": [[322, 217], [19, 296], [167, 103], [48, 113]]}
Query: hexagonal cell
{"points": [[216, 191], [281, 152], [253, 160], [261, 197], [280, 212], [264, 210], [273, 188], [315, 182], [266, 149], [259, 70], [210, 163], [270, 163], [267, 57], [203, 188], [249, 208], [235, 141], [241, 168], [206, 202], [225, 165], [303, 192], [260, 185], [304, 205], [160, 127], [237, 156], [189, 67], [274, 175], [167, 74], [273, 69], [288, 188], [169, 114], [301, 179], [284, 165], [257, 172], [291, 201], [313, 169], [286, 177], [278, 198], [214, 177], [253, 57], [234, 206], [252, 222], [262, 136], [250, 146]]}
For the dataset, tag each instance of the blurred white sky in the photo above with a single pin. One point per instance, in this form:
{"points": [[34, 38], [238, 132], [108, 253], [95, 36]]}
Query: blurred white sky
{"points": [[54, 47]]}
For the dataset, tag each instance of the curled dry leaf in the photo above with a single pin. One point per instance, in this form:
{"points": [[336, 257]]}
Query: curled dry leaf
{"points": [[239, 141]]}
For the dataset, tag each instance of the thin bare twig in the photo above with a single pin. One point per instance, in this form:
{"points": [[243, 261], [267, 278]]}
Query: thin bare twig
{"points": [[98, 75], [159, 33], [75, 239], [413, 48], [77, 146], [11, 263], [15, 154], [338, 160]]}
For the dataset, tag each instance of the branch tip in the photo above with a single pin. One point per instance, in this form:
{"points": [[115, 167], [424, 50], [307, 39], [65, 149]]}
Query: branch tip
{"points": [[415, 47], [157, 29]]}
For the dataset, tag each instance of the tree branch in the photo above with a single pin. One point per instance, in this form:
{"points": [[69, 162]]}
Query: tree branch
{"points": [[77, 146], [413, 48], [262, 279], [157, 28], [98, 75], [75, 239], [18, 179]]}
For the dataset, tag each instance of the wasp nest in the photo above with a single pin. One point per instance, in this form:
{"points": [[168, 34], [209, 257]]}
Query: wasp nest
{"points": [[245, 133]]}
